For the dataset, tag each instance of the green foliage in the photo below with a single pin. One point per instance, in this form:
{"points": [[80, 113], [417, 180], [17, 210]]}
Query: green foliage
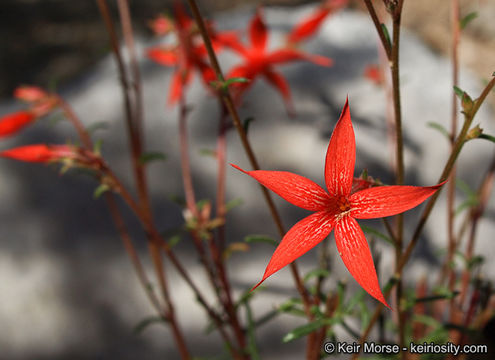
{"points": [[147, 157], [378, 234], [100, 190], [246, 123], [440, 128], [467, 19], [387, 35], [143, 324], [233, 204], [260, 239]]}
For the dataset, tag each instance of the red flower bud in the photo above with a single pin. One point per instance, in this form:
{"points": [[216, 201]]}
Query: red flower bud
{"points": [[14, 122], [41, 153]]}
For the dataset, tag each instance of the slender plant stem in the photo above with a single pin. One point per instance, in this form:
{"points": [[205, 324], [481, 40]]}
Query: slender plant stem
{"points": [[115, 212], [129, 108], [184, 159], [475, 214], [379, 29], [229, 104], [452, 178], [217, 248], [394, 67]]}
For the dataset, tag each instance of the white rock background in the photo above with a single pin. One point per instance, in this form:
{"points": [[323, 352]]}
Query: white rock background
{"points": [[67, 289]]}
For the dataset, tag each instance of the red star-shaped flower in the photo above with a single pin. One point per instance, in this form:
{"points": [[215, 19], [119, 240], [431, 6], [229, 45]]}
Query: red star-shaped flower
{"points": [[337, 208], [260, 62], [189, 53]]}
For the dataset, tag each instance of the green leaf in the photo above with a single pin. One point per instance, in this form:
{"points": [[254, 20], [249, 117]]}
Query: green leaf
{"points": [[252, 347], [232, 204], [97, 146], [440, 128], [487, 137], [99, 125], [234, 80], [467, 19], [151, 156], [246, 122], [208, 152], [466, 101], [387, 34], [174, 240], [102, 188], [459, 92], [475, 261], [316, 273], [378, 234], [143, 324], [304, 330], [260, 238]]}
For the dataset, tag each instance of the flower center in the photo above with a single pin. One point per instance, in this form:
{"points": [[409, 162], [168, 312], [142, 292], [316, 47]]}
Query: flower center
{"points": [[343, 204]]}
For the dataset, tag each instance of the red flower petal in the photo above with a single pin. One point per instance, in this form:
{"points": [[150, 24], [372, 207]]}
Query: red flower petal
{"points": [[258, 34], [384, 201], [38, 153], [29, 93], [294, 188], [301, 238], [308, 26], [341, 156], [179, 80], [161, 25], [289, 55], [279, 82], [373, 73], [12, 123], [163, 56], [354, 251]]}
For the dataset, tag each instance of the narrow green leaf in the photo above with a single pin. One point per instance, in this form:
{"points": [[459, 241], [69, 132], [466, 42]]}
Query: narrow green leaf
{"points": [[260, 238], [387, 35], [99, 125], [459, 92], [467, 19], [151, 156], [475, 261], [97, 146], [232, 204], [304, 330], [208, 152], [174, 240], [466, 204], [252, 347], [234, 80], [465, 188], [102, 188], [432, 298], [487, 137], [316, 273], [440, 128], [378, 234], [246, 122], [143, 324]]}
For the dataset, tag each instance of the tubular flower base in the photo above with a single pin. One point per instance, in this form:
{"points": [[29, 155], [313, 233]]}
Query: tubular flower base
{"points": [[12, 123], [40, 153], [337, 208]]}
